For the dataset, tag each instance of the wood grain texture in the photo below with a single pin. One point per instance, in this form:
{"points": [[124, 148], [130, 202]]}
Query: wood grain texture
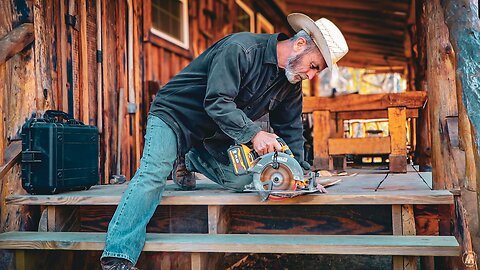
{"points": [[398, 139], [99, 195], [15, 41], [317, 220], [311, 244], [442, 99], [374, 145], [166, 219], [412, 99], [376, 114], [321, 133]]}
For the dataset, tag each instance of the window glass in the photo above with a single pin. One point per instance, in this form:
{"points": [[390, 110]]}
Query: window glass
{"points": [[169, 17]]}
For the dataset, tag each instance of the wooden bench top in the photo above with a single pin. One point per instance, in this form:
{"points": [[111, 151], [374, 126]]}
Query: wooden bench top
{"points": [[373, 188], [246, 243]]}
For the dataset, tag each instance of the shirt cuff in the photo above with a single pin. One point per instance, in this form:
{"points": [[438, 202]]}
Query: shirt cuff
{"points": [[247, 133]]}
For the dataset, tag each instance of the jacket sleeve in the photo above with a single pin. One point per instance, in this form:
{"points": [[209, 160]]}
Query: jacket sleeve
{"points": [[286, 121], [227, 68]]}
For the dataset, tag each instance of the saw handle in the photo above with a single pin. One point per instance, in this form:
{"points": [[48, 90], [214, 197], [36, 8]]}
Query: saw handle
{"points": [[285, 148]]}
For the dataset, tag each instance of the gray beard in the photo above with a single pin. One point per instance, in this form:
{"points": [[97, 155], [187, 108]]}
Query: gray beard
{"points": [[292, 63]]}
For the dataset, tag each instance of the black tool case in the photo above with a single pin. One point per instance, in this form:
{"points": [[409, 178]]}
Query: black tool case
{"points": [[59, 153]]}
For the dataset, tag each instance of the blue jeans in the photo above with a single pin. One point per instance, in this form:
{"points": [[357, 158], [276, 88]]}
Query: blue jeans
{"points": [[127, 229]]}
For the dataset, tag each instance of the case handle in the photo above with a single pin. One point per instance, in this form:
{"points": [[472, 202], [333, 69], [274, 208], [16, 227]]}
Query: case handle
{"points": [[53, 114]]}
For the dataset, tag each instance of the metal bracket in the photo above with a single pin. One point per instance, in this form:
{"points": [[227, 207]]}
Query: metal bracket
{"points": [[71, 20], [30, 156]]}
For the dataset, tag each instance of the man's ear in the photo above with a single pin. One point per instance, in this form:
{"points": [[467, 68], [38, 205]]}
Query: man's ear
{"points": [[299, 44]]}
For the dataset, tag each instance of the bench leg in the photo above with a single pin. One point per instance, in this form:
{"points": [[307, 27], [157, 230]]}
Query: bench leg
{"points": [[397, 121], [403, 222]]}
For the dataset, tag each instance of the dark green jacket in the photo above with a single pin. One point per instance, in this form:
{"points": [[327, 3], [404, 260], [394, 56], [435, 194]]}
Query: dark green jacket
{"points": [[213, 102]]}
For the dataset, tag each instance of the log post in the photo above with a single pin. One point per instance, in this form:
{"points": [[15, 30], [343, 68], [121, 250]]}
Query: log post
{"points": [[463, 22], [441, 95]]}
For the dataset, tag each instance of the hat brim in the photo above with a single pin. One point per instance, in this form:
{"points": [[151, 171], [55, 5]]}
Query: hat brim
{"points": [[299, 21]]}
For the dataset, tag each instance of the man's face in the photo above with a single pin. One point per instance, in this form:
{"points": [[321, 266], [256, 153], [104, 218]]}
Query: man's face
{"points": [[304, 65]]}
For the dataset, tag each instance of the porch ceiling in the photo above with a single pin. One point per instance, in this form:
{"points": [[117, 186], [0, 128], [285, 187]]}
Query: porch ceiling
{"points": [[375, 30]]}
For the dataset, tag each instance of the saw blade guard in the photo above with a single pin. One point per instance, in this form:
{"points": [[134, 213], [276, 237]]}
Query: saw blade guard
{"points": [[275, 172]]}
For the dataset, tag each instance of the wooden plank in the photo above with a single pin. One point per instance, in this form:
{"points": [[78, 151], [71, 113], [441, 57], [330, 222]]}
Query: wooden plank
{"points": [[15, 41], [378, 114], [84, 76], [244, 243], [110, 195], [412, 100], [311, 220], [166, 219], [374, 145], [321, 133], [398, 139]]}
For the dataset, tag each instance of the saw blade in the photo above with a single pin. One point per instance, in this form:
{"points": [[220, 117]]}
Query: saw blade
{"points": [[280, 178]]}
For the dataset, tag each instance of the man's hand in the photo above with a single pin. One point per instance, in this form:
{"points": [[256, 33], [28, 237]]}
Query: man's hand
{"points": [[265, 143]]}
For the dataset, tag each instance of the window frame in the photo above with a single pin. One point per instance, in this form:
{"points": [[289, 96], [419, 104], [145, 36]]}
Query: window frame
{"points": [[250, 13], [185, 28]]}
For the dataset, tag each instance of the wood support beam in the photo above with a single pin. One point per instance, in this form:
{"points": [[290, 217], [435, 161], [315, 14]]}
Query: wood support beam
{"points": [[15, 41], [412, 99], [397, 121], [403, 223], [321, 133], [357, 146]]}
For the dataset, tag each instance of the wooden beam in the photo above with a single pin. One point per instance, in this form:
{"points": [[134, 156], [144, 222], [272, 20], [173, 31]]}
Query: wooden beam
{"points": [[411, 113], [15, 41], [412, 99], [356, 146], [397, 121], [84, 65], [403, 222], [245, 243], [376, 5], [12, 157], [321, 133], [213, 195]]}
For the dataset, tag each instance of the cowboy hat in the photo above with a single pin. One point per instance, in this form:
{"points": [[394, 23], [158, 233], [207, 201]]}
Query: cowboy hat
{"points": [[325, 34]]}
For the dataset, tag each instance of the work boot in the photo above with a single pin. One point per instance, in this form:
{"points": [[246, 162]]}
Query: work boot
{"points": [[182, 177], [112, 263]]}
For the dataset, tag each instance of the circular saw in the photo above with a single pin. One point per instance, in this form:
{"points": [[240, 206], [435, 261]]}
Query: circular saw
{"points": [[279, 175]]}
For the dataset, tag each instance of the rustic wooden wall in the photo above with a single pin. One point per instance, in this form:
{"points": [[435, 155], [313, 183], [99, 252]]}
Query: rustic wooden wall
{"points": [[17, 97]]}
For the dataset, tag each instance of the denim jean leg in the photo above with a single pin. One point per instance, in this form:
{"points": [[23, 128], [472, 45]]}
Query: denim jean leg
{"points": [[127, 229], [199, 160]]}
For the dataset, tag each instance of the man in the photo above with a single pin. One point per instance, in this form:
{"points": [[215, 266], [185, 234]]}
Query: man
{"points": [[211, 105]]}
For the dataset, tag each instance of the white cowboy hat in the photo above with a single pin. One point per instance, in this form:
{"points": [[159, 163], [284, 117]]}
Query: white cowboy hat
{"points": [[326, 35]]}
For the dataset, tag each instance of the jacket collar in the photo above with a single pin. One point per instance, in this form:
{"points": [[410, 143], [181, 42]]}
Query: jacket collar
{"points": [[271, 50]]}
